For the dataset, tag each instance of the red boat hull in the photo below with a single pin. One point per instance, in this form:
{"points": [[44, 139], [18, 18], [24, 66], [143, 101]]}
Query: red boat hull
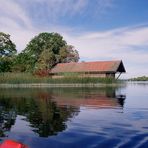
{"points": [[12, 144]]}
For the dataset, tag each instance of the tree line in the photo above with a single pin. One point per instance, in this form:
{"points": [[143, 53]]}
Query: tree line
{"points": [[42, 53], [142, 78]]}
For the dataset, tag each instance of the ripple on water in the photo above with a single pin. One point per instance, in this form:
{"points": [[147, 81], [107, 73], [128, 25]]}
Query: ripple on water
{"points": [[135, 141]]}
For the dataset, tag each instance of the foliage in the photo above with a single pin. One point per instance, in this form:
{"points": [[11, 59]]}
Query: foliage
{"points": [[45, 51], [7, 47], [143, 78], [46, 60], [42, 53], [5, 64], [7, 52], [19, 63], [72, 54], [44, 41]]}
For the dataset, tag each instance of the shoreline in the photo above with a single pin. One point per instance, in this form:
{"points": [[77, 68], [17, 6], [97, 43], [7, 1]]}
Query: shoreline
{"points": [[46, 85]]}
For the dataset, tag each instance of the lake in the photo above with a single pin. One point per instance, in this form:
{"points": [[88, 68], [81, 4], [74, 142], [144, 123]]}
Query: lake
{"points": [[104, 117]]}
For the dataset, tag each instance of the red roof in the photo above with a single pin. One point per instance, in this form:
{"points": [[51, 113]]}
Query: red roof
{"points": [[98, 66]]}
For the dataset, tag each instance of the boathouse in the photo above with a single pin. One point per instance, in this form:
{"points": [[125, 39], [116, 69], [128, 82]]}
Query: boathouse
{"points": [[104, 69]]}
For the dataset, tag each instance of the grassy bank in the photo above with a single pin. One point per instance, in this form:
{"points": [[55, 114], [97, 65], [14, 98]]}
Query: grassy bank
{"points": [[27, 78], [143, 78]]}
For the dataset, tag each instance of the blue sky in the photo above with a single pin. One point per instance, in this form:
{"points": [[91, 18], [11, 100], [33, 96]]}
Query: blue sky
{"points": [[99, 29]]}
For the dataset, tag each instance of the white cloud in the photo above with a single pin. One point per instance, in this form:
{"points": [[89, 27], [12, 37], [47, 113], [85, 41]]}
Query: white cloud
{"points": [[55, 9], [14, 21], [122, 43], [11, 10], [112, 41]]}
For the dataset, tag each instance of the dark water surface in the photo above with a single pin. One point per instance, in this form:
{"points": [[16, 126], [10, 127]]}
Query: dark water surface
{"points": [[76, 117]]}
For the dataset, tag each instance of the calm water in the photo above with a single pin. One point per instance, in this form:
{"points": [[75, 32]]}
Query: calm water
{"points": [[76, 117]]}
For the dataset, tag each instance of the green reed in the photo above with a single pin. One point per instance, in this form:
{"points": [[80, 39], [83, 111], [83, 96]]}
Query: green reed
{"points": [[26, 78]]}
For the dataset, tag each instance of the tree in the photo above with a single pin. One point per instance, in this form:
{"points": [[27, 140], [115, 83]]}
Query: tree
{"points": [[7, 52], [7, 47], [46, 50], [44, 41], [72, 54], [46, 60], [19, 63]]}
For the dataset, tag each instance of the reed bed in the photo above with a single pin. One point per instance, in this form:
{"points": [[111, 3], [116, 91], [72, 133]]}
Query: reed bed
{"points": [[28, 78]]}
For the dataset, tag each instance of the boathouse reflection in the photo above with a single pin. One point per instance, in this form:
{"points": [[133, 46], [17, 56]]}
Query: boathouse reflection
{"points": [[48, 110]]}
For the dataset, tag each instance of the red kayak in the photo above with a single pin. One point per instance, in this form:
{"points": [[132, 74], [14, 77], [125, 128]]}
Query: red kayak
{"points": [[12, 144]]}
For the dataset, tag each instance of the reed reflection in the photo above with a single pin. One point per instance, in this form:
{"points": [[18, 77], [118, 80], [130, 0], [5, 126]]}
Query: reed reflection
{"points": [[48, 110]]}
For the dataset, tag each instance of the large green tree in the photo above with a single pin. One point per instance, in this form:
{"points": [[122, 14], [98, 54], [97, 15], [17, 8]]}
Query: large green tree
{"points": [[46, 50], [72, 54], [7, 52], [46, 60]]}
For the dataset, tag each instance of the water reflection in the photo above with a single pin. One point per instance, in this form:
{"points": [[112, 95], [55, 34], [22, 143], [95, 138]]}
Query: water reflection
{"points": [[48, 110], [99, 97]]}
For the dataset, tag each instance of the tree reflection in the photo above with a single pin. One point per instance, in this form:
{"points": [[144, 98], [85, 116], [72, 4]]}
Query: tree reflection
{"points": [[7, 116], [45, 117], [48, 110]]}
